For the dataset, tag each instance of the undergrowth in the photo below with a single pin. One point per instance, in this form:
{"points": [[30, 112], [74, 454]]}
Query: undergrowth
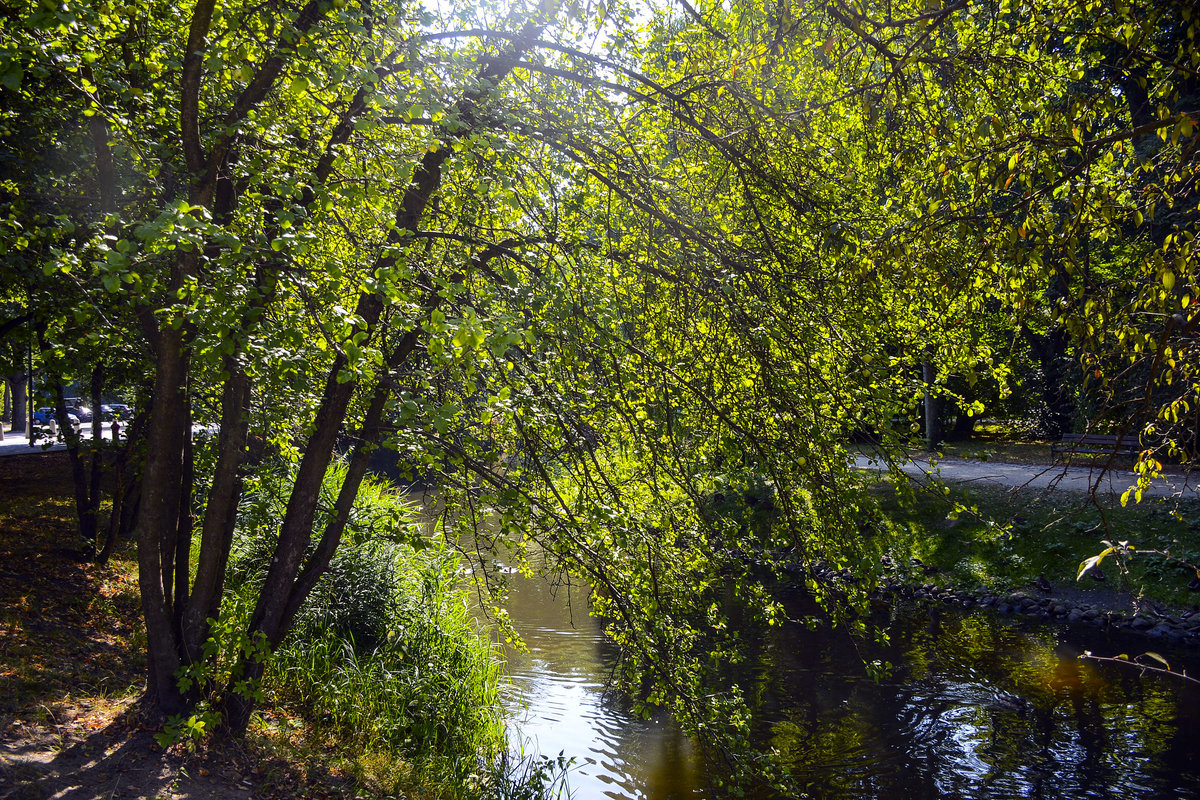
{"points": [[386, 658]]}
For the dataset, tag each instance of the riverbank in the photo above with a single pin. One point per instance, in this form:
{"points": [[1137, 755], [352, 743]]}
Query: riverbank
{"points": [[1014, 539], [72, 668], [72, 662]]}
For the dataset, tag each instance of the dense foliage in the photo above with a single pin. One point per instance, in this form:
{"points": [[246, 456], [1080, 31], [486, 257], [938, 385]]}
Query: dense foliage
{"points": [[624, 281]]}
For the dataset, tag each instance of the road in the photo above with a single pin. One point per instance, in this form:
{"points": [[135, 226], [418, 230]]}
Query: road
{"points": [[18, 444]]}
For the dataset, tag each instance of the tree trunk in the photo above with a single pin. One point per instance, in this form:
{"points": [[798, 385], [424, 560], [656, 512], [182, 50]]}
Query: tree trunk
{"points": [[238, 706], [97, 464], [183, 532], [84, 508], [220, 515], [20, 401], [271, 618], [1057, 396], [158, 517], [933, 408]]}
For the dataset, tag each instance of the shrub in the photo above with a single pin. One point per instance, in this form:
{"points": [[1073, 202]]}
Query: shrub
{"points": [[385, 655]]}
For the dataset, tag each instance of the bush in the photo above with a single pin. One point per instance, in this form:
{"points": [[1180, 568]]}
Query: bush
{"points": [[385, 655]]}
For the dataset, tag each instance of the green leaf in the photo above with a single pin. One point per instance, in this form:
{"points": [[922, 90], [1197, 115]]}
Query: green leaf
{"points": [[1094, 561], [11, 76], [1157, 657]]}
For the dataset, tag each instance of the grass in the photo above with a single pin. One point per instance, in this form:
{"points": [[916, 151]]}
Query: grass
{"points": [[995, 441], [72, 667], [387, 658], [1008, 538]]}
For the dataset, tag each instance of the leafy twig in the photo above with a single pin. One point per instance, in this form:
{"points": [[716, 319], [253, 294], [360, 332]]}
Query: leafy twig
{"points": [[1136, 661]]}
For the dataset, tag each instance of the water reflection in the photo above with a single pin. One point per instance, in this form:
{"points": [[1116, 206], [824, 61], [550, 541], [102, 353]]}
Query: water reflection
{"points": [[979, 706], [973, 706], [559, 703]]}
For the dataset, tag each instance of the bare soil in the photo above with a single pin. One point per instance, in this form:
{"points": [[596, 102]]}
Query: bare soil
{"points": [[71, 672]]}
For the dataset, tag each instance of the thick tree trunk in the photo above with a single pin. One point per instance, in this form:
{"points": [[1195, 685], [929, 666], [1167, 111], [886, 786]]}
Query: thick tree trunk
{"points": [[158, 516], [20, 401]]}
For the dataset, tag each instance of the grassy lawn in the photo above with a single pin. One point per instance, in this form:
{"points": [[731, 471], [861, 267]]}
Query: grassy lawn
{"points": [[995, 441], [1009, 538]]}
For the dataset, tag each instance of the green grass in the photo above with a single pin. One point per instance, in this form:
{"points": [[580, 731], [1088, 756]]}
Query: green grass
{"points": [[386, 658], [1008, 538], [422, 700]]}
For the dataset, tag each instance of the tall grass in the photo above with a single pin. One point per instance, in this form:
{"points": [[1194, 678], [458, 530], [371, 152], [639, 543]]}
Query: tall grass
{"points": [[386, 656]]}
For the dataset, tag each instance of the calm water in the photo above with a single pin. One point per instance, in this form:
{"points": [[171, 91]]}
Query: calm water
{"points": [[973, 706]]}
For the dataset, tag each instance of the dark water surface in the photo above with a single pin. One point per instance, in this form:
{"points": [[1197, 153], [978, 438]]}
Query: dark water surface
{"points": [[973, 705]]}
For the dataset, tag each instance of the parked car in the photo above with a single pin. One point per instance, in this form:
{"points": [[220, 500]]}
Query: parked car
{"points": [[83, 412], [42, 417], [119, 411]]}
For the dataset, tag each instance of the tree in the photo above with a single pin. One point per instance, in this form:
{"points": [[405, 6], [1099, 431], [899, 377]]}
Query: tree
{"points": [[601, 274]]}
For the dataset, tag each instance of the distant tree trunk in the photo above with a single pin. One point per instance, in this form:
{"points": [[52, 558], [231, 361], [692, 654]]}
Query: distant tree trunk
{"points": [[87, 488], [84, 510], [97, 465], [964, 426], [1058, 396], [20, 403], [933, 407]]}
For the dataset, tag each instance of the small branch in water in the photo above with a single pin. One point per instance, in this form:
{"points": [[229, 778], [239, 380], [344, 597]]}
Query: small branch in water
{"points": [[1136, 661]]}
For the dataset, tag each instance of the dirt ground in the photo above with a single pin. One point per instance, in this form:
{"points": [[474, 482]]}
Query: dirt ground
{"points": [[71, 671]]}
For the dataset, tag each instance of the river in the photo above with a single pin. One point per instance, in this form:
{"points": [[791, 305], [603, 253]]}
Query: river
{"points": [[972, 705]]}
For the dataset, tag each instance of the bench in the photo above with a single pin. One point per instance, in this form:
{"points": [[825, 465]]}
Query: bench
{"points": [[1099, 444]]}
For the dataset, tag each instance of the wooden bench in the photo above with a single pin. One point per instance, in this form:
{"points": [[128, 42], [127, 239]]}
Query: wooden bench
{"points": [[1097, 444]]}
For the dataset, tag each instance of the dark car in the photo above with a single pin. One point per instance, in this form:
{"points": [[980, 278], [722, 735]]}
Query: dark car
{"points": [[119, 411], [83, 412]]}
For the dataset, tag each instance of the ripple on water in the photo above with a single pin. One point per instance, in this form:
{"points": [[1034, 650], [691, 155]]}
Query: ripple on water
{"points": [[976, 708]]}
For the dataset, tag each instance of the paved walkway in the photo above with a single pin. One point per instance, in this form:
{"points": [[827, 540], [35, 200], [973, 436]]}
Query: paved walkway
{"points": [[1072, 479], [16, 443]]}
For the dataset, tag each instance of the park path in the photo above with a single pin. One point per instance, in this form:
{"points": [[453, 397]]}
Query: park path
{"points": [[992, 473], [1044, 477], [17, 443]]}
